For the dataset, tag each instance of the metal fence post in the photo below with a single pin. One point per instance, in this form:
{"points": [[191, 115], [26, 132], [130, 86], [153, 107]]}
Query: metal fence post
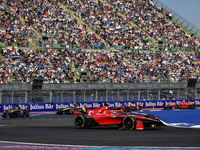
{"points": [[148, 94], [26, 96], [106, 95], [97, 99], [62, 96], [118, 95], [84, 95], [50, 95], [139, 95], [159, 94], [127, 95], [12, 96], [178, 93]]}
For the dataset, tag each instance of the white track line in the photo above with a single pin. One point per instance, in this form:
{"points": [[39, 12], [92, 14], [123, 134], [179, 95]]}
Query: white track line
{"points": [[174, 125], [84, 146]]}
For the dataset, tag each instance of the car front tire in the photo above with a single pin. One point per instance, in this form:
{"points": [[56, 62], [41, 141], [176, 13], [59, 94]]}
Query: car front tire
{"points": [[79, 121]]}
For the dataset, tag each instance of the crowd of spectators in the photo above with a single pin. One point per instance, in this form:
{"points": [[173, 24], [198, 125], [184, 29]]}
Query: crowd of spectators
{"points": [[12, 30], [64, 66], [46, 16], [21, 65], [106, 22], [148, 18]]}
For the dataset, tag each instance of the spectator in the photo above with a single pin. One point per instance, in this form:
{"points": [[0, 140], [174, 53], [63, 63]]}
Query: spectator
{"points": [[116, 67]]}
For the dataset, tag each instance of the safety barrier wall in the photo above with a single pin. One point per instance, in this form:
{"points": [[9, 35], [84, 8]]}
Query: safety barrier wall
{"points": [[39, 107]]}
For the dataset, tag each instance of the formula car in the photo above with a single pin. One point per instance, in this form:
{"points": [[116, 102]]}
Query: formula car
{"points": [[16, 111], [104, 117], [69, 110], [128, 107], [182, 105]]}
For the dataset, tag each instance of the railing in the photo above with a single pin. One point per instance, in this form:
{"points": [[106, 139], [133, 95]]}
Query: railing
{"points": [[23, 93], [180, 20]]}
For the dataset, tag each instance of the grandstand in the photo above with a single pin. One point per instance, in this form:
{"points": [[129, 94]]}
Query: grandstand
{"points": [[105, 41], [116, 25], [102, 24]]}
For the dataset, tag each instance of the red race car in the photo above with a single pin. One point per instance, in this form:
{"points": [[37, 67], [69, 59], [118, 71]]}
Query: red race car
{"points": [[103, 116], [183, 105], [128, 107]]}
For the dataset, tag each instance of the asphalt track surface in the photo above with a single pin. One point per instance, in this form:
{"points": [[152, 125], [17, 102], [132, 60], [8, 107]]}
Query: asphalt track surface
{"points": [[59, 129]]}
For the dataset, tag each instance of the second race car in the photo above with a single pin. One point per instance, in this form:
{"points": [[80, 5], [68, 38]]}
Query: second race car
{"points": [[69, 110], [104, 117], [128, 107], [182, 105], [16, 111]]}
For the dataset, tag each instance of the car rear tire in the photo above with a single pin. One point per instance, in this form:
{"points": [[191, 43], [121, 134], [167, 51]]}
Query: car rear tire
{"points": [[79, 121], [194, 106], [4, 114], [27, 113], [129, 123]]}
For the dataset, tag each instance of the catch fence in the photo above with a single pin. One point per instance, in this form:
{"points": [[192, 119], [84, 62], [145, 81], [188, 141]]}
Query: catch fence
{"points": [[23, 93]]}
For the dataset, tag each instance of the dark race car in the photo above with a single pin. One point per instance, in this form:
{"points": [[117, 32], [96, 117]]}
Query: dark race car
{"points": [[16, 111], [182, 105], [69, 110], [104, 117], [128, 107]]}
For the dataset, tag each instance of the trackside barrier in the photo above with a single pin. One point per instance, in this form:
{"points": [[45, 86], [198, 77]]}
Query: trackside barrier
{"points": [[39, 107]]}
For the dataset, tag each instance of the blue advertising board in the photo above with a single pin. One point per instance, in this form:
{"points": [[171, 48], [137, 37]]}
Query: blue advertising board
{"points": [[54, 106], [41, 107]]}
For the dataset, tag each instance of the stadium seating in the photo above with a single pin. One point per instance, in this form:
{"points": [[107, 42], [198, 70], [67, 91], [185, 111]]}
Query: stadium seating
{"points": [[63, 30]]}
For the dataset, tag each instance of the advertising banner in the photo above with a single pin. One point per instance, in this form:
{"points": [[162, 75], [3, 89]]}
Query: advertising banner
{"points": [[36, 107], [7, 106], [41, 107], [61, 105]]}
